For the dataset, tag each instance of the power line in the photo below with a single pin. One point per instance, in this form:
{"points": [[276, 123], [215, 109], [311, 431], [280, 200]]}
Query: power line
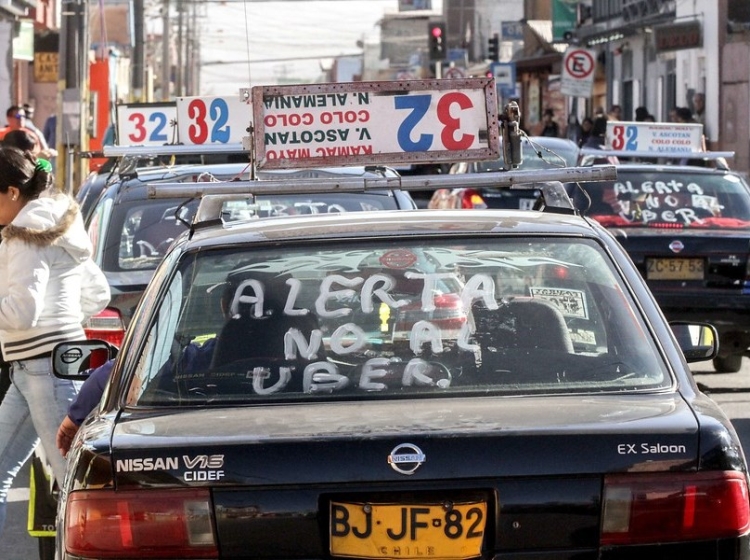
{"points": [[269, 1], [265, 60]]}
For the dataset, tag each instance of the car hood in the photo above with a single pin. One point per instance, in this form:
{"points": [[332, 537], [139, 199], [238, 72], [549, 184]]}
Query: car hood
{"points": [[460, 438]]}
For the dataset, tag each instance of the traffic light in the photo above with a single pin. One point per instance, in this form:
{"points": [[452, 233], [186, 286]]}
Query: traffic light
{"points": [[436, 40], [494, 48]]}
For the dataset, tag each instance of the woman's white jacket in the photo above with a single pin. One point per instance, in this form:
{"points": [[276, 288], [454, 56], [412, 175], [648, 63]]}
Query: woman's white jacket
{"points": [[49, 285]]}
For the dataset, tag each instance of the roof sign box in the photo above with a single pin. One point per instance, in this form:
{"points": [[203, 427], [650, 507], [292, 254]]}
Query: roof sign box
{"points": [[188, 120], [146, 124], [412, 121], [319, 125], [654, 137], [213, 120], [663, 140]]}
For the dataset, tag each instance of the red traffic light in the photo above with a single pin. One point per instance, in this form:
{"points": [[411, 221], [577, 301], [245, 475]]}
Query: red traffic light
{"points": [[436, 44]]}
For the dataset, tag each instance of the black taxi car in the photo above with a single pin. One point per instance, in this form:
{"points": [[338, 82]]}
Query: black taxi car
{"points": [[685, 221], [414, 384]]}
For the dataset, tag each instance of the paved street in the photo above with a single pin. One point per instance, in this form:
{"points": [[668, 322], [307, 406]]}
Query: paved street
{"points": [[732, 391], [15, 543]]}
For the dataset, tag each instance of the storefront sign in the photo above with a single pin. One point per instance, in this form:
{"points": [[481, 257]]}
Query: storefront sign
{"points": [[678, 36], [45, 66]]}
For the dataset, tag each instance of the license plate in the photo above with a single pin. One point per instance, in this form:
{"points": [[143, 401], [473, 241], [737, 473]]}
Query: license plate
{"points": [[434, 531], [674, 269]]}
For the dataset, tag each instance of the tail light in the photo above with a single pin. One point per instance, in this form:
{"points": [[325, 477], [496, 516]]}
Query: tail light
{"points": [[449, 311], [107, 325], [137, 524], [674, 507], [471, 199]]}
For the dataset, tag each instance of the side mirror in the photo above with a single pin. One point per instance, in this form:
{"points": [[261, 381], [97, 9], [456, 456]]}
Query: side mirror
{"points": [[698, 341], [75, 360]]}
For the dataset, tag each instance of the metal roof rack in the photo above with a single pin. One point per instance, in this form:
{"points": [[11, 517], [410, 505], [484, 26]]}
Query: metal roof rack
{"points": [[549, 181], [591, 155], [651, 154], [171, 149]]}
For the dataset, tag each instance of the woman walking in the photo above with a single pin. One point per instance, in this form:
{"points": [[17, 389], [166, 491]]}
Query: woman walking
{"points": [[48, 286]]}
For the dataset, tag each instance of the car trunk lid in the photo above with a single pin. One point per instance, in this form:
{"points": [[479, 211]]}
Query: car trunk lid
{"points": [[317, 472], [707, 259]]}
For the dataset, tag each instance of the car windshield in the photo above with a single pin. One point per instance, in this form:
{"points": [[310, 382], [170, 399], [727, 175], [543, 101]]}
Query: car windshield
{"points": [[392, 319], [539, 153], [661, 199]]}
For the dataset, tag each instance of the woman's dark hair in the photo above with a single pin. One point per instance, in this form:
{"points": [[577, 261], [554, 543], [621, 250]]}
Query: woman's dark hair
{"points": [[23, 171], [684, 114], [600, 126], [641, 113], [21, 139]]}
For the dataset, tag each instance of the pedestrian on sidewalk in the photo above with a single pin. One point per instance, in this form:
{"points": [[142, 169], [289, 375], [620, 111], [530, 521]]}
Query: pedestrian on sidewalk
{"points": [[48, 286]]}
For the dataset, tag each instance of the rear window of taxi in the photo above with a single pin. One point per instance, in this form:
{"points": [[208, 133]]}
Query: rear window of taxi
{"points": [[664, 199], [135, 234], [395, 319]]}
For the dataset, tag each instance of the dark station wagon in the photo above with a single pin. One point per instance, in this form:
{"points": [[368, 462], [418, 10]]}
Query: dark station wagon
{"points": [[414, 385], [131, 233]]}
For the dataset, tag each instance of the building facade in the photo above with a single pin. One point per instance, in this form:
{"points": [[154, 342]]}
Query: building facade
{"points": [[27, 59]]}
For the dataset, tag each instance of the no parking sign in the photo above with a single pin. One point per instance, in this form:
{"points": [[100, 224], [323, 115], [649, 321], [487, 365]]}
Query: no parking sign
{"points": [[577, 78]]}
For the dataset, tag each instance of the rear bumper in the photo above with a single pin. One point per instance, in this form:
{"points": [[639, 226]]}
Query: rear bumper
{"points": [[723, 549]]}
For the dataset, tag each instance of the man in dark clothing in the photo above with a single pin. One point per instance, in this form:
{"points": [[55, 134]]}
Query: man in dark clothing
{"points": [[551, 128], [597, 138], [641, 114], [194, 358]]}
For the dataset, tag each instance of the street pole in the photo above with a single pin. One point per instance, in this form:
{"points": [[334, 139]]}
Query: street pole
{"points": [[73, 98], [166, 94], [139, 49], [180, 71]]}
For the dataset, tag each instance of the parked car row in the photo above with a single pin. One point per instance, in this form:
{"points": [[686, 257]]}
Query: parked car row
{"points": [[384, 382], [380, 384]]}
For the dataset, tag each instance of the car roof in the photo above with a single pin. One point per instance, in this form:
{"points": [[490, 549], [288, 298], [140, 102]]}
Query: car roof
{"points": [[395, 224]]}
